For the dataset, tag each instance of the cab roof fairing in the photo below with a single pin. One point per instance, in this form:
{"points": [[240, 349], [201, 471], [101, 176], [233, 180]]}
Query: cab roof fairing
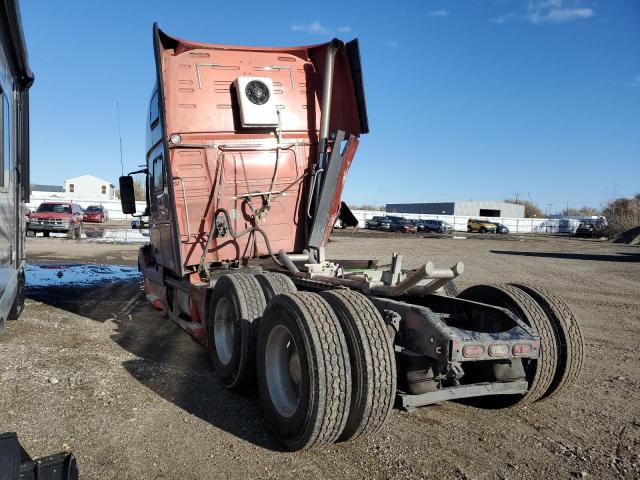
{"points": [[350, 54]]}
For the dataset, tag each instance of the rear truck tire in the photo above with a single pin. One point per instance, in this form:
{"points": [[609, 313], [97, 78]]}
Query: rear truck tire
{"points": [[46, 234], [451, 289], [540, 373], [235, 308], [570, 339], [373, 362], [303, 370], [274, 283]]}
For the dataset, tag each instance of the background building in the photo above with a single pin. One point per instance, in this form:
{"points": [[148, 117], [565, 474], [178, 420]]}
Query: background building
{"points": [[470, 209], [47, 191], [89, 187]]}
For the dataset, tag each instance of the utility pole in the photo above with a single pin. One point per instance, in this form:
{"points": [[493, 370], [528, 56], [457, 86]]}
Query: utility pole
{"points": [[517, 197]]}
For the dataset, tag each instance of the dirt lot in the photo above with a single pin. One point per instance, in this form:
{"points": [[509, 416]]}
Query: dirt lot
{"points": [[91, 367]]}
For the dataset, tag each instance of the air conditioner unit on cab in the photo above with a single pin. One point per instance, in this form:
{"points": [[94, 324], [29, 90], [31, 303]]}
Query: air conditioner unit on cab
{"points": [[257, 105]]}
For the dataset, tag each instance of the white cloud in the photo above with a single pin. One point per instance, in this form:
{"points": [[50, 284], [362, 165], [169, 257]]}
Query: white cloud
{"points": [[548, 11], [316, 28], [560, 15], [391, 44], [636, 82], [504, 18], [440, 12], [313, 28]]}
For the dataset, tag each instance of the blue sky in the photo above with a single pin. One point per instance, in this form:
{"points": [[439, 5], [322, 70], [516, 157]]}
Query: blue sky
{"points": [[466, 99]]}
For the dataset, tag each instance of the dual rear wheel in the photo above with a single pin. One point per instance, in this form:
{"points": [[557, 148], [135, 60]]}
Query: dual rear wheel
{"points": [[561, 344], [324, 364]]}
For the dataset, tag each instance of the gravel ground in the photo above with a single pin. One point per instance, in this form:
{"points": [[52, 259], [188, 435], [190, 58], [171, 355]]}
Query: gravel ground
{"points": [[91, 367]]}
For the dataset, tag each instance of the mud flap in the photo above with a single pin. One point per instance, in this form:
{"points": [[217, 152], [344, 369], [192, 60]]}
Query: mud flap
{"points": [[10, 456], [16, 464]]}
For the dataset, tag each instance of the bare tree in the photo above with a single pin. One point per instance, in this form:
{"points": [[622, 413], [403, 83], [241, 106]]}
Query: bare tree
{"points": [[531, 210], [622, 214], [366, 206], [139, 190], [583, 211]]}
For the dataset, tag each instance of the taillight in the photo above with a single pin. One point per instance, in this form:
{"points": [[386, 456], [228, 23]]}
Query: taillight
{"points": [[521, 349], [498, 350], [471, 351]]}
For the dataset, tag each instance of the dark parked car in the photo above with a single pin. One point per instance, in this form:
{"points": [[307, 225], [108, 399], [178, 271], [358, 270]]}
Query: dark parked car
{"points": [[500, 228], [95, 213], [439, 226], [56, 217], [586, 229], [140, 223], [403, 225], [378, 223]]}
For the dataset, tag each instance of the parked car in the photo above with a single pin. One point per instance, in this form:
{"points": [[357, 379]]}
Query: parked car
{"points": [[56, 217], [439, 226], [585, 229], [501, 229], [402, 225], [140, 223], [378, 223], [95, 213], [482, 226]]}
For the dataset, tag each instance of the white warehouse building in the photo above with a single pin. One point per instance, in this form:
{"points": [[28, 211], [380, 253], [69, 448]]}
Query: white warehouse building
{"points": [[89, 187], [466, 208]]}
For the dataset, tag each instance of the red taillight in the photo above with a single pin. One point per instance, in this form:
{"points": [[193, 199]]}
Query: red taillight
{"points": [[521, 349], [471, 351]]}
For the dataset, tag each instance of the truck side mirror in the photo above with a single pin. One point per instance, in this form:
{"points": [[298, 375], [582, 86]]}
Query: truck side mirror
{"points": [[127, 195]]}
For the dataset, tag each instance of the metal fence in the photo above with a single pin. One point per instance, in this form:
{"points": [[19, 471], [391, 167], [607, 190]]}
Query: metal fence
{"points": [[459, 222]]}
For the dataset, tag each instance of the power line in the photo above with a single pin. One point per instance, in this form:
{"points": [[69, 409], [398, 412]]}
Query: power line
{"points": [[119, 136]]}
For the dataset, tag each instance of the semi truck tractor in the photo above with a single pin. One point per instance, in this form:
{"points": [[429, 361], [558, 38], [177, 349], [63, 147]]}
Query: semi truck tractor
{"points": [[248, 151]]}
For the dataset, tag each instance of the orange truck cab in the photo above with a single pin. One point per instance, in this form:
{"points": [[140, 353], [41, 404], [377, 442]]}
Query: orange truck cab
{"points": [[239, 152]]}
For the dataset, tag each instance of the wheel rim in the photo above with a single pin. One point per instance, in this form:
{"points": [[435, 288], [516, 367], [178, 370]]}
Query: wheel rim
{"points": [[224, 330], [282, 370]]}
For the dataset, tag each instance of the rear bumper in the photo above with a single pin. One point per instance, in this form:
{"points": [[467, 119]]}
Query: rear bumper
{"points": [[464, 391]]}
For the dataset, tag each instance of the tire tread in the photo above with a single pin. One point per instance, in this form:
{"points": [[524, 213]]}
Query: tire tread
{"points": [[369, 332], [570, 337], [330, 358], [274, 283], [252, 304]]}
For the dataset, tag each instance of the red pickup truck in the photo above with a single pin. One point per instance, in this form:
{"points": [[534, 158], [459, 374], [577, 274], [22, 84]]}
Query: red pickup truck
{"points": [[56, 217]]}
